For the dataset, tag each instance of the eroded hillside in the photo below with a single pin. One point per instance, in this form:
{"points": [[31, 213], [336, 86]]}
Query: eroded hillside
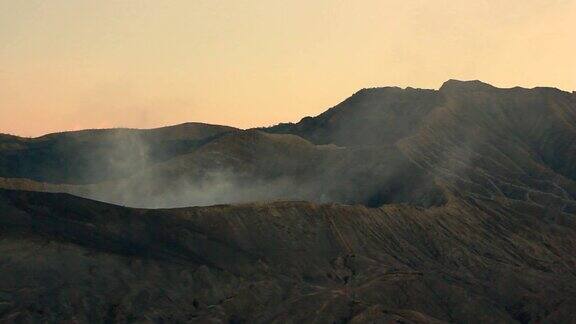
{"points": [[380, 146], [472, 260], [418, 206]]}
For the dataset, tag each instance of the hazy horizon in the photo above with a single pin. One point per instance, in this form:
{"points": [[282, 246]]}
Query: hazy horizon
{"points": [[251, 127], [70, 65]]}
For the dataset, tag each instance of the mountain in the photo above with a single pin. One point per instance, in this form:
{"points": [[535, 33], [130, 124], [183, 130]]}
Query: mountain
{"points": [[377, 116], [65, 258], [91, 156], [382, 145], [394, 206], [468, 136]]}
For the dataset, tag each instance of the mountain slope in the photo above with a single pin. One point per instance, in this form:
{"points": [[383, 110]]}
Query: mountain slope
{"points": [[423, 206], [388, 145], [66, 258], [252, 166], [91, 156], [377, 116], [382, 145], [468, 136]]}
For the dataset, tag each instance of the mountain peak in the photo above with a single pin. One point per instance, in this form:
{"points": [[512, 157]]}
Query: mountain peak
{"points": [[471, 85]]}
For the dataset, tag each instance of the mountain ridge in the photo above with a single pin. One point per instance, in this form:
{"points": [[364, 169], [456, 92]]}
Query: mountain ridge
{"points": [[394, 145], [471, 260], [450, 81], [395, 206]]}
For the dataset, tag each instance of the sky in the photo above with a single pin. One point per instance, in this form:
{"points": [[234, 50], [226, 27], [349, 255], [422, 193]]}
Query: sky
{"points": [[76, 64]]}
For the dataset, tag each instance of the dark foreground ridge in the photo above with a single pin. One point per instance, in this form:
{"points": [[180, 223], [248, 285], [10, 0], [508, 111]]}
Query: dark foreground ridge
{"points": [[64, 258]]}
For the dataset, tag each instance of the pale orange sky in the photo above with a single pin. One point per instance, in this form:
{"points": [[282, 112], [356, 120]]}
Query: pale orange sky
{"points": [[73, 64]]}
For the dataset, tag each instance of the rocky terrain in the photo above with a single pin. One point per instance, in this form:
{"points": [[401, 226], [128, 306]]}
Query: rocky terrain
{"points": [[472, 260], [417, 206]]}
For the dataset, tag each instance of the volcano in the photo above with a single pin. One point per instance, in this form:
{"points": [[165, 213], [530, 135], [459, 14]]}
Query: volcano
{"points": [[394, 206]]}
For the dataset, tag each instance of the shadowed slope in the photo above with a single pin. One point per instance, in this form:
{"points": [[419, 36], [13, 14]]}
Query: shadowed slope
{"points": [[252, 166], [380, 146], [91, 156], [377, 116], [66, 258], [486, 232], [467, 137]]}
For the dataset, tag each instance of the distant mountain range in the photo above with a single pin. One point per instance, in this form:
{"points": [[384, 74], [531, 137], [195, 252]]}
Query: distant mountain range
{"points": [[394, 206]]}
